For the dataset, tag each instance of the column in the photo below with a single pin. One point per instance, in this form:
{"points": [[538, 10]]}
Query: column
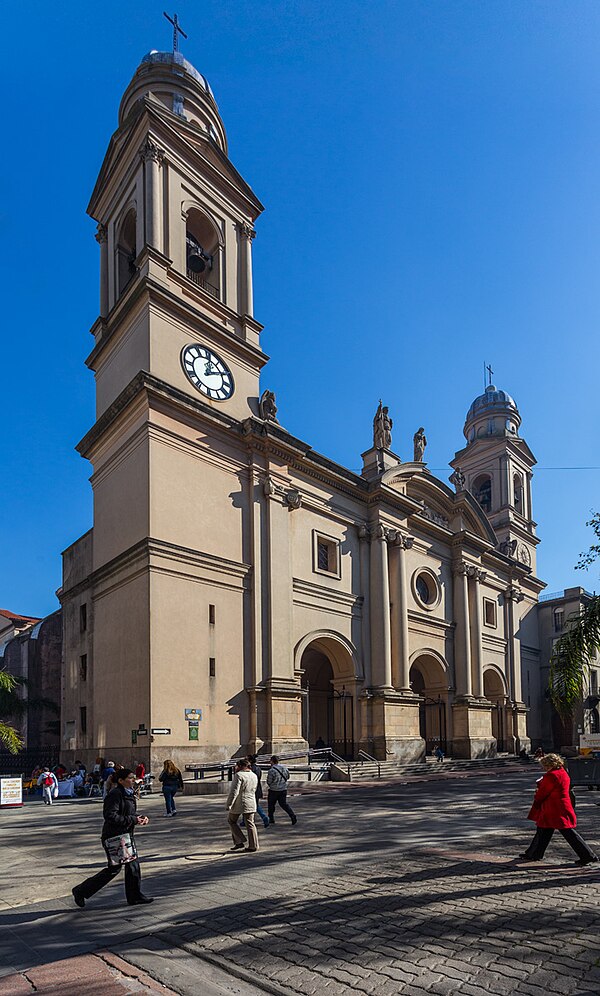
{"points": [[363, 536], [462, 639], [102, 240], [512, 596], [381, 637], [247, 234], [476, 577], [399, 612], [152, 157]]}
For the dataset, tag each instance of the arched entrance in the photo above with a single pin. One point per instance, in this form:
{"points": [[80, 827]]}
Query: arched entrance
{"points": [[428, 678], [329, 703], [494, 689]]}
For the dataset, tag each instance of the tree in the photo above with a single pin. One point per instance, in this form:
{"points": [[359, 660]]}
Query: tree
{"points": [[8, 735], [575, 650]]}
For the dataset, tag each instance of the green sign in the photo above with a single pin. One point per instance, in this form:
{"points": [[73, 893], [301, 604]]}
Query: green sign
{"points": [[134, 734], [192, 732]]}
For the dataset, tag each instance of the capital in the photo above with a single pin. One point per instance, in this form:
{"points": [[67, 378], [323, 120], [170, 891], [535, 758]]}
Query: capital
{"points": [[460, 568], [247, 231], [513, 594], [101, 233], [364, 532], [402, 542], [151, 151]]}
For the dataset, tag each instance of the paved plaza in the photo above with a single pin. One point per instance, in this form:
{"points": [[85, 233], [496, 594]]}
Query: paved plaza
{"points": [[380, 889]]}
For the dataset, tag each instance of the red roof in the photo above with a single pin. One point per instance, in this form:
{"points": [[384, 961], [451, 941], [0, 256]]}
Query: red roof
{"points": [[15, 617]]}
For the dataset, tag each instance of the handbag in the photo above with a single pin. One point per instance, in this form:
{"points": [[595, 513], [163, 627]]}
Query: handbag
{"points": [[121, 849]]}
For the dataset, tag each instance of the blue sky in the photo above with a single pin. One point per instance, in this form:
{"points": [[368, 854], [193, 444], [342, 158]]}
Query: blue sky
{"points": [[430, 173]]}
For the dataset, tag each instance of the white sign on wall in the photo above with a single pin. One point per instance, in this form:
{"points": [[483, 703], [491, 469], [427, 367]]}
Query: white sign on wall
{"points": [[589, 742], [11, 791]]}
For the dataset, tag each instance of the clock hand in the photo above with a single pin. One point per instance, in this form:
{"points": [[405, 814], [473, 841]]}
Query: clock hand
{"points": [[210, 369]]}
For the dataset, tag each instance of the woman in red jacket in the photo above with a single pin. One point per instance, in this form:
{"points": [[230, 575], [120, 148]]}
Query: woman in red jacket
{"points": [[552, 810]]}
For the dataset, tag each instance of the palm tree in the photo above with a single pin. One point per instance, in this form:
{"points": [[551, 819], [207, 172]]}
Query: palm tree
{"points": [[575, 650], [8, 735]]}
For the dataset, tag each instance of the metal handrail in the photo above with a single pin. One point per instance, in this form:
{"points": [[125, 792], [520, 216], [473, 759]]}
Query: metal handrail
{"points": [[363, 756]]}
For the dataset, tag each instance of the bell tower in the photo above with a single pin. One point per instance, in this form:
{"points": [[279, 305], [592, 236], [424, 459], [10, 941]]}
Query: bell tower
{"points": [[497, 467], [175, 227], [176, 361]]}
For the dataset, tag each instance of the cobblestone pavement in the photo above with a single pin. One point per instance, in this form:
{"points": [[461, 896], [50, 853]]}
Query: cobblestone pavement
{"points": [[379, 889]]}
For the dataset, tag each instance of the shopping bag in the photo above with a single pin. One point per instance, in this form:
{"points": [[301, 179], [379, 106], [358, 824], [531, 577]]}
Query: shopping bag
{"points": [[121, 850]]}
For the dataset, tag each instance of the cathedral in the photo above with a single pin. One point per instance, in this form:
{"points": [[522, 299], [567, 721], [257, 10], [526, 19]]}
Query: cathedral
{"points": [[239, 591]]}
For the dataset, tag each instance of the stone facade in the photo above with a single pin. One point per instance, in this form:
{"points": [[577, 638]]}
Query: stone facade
{"points": [[555, 610], [34, 652], [230, 567]]}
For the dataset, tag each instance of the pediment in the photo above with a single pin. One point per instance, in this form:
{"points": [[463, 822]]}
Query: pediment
{"points": [[440, 505]]}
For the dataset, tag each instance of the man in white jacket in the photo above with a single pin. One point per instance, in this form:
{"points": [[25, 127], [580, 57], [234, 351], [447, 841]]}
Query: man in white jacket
{"points": [[241, 801]]}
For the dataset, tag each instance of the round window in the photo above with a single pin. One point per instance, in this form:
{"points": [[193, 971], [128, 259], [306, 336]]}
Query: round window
{"points": [[423, 589]]}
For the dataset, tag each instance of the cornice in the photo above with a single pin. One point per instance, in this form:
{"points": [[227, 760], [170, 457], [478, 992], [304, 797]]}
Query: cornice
{"points": [[156, 292], [144, 381]]}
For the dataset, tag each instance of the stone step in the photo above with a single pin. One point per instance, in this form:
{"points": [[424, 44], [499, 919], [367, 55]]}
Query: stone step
{"points": [[370, 770]]}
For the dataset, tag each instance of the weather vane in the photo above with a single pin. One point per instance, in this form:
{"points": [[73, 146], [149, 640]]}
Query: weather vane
{"points": [[176, 29]]}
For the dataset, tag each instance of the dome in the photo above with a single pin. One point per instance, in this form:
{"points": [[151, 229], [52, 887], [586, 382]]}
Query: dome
{"points": [[169, 79], [177, 61], [493, 413]]}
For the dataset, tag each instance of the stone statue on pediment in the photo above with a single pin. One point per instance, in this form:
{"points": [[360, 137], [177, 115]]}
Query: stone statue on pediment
{"points": [[458, 480], [419, 444], [382, 428]]}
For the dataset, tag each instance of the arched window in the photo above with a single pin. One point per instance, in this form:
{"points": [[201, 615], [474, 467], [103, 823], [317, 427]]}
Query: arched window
{"points": [[126, 251], [482, 491], [518, 493], [202, 252]]}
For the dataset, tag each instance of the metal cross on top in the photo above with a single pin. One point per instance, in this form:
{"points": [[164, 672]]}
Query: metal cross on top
{"points": [[176, 29], [487, 372]]}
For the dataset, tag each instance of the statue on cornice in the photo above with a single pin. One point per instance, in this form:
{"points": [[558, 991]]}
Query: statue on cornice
{"points": [[419, 444], [458, 480], [267, 407], [382, 428]]}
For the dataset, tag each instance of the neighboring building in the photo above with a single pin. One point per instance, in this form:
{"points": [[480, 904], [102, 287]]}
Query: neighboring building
{"points": [[34, 652], [11, 624], [233, 569], [555, 611]]}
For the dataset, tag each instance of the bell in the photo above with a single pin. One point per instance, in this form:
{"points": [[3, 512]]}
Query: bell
{"points": [[197, 261]]}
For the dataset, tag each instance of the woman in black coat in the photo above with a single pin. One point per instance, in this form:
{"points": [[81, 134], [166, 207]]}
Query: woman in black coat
{"points": [[120, 817]]}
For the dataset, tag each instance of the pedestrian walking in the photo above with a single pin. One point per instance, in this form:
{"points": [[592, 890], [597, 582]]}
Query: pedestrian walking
{"points": [[552, 810], [241, 801], [439, 754], [277, 779], [259, 792], [49, 785], [120, 821], [172, 780]]}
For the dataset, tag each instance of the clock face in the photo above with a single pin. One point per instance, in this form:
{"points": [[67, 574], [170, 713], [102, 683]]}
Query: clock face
{"points": [[207, 372]]}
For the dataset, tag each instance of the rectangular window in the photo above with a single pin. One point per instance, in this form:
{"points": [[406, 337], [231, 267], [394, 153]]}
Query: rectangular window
{"points": [[326, 555], [83, 719], [559, 618], [211, 614], [212, 667], [489, 612], [83, 667], [323, 550], [593, 682], [83, 617]]}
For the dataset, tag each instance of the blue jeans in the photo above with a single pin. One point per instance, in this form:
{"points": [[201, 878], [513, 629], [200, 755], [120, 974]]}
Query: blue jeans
{"points": [[262, 813], [169, 794]]}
